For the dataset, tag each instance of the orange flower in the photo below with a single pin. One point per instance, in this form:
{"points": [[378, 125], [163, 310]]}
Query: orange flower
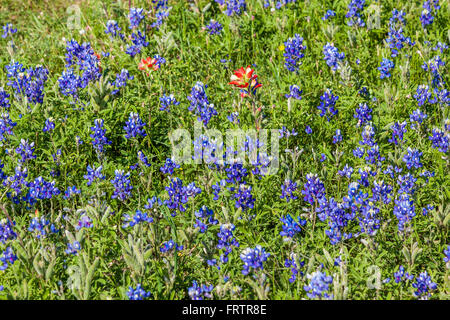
{"points": [[245, 79], [99, 62], [241, 77], [149, 63]]}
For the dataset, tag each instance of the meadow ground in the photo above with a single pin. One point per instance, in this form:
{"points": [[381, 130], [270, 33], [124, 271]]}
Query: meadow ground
{"points": [[346, 198]]}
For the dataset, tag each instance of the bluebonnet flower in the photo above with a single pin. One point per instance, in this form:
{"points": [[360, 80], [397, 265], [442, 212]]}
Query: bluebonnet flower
{"points": [[169, 246], [328, 14], [217, 188], [122, 185], [294, 92], [412, 158], [447, 254], [160, 16], [313, 189], [4, 99], [16, 183], [134, 126], [205, 216], [332, 56], [93, 174], [38, 227], [137, 294], [363, 113], [291, 227], [253, 258], [25, 151], [427, 209], [121, 80], [234, 117], [288, 189], [323, 157], [440, 46], [161, 4], [369, 220], [200, 292], [398, 129], [401, 275], [27, 83], [286, 133], [49, 125], [337, 136], [139, 216], [139, 41], [433, 66], [169, 166], [179, 195], [319, 285], [293, 54], [440, 140], [278, 3], [406, 183], [112, 28], [233, 7], [418, 117], [294, 263], [424, 286], [385, 68], [373, 156], [226, 241], [243, 197], [396, 38], [41, 189], [236, 173], [73, 248], [8, 29], [99, 139], [200, 104], [404, 210], [430, 7], [84, 222], [143, 159], [347, 171], [6, 126], [152, 202], [381, 192], [214, 27], [135, 16], [88, 64], [327, 105], [69, 83], [355, 7], [8, 257], [166, 101], [6, 231], [308, 130], [423, 95]]}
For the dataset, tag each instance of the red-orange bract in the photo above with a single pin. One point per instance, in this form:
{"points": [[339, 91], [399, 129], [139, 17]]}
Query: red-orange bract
{"points": [[149, 63], [241, 77], [244, 78]]}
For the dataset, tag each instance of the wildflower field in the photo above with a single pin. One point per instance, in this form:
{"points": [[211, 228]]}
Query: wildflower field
{"points": [[119, 181]]}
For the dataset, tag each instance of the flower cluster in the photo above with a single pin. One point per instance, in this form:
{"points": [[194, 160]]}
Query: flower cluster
{"points": [[134, 126], [327, 105], [137, 294], [200, 104], [332, 56], [253, 258], [293, 52], [319, 285], [200, 292]]}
